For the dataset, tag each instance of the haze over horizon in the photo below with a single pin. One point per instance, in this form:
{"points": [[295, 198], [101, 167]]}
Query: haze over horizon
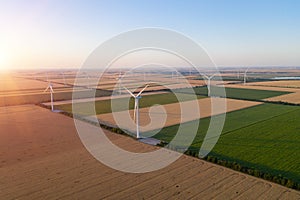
{"points": [[61, 34]]}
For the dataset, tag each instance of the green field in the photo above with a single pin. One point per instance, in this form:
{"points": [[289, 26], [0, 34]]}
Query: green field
{"points": [[121, 104], [238, 93], [265, 137]]}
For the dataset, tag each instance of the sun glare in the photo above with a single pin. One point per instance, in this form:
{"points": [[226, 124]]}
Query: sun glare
{"points": [[3, 61]]}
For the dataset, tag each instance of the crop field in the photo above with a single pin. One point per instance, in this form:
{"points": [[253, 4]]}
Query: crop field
{"points": [[288, 84], [290, 98], [10, 83], [121, 104], [39, 161], [35, 97], [152, 118], [239, 93], [265, 137]]}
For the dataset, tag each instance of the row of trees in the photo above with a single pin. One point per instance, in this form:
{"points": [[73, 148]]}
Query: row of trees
{"points": [[279, 179]]}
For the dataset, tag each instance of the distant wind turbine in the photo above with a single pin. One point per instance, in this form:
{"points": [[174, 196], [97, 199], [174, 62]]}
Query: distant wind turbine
{"points": [[136, 113], [245, 76], [89, 80], [50, 88], [120, 83], [208, 83]]}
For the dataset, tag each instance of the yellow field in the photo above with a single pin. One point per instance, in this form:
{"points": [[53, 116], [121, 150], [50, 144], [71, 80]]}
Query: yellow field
{"points": [[289, 84], [9, 83], [294, 97]]}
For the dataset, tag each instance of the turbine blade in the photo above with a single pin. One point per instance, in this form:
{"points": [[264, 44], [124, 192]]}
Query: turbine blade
{"points": [[46, 89], [212, 76], [142, 90], [205, 76], [246, 70], [129, 92]]}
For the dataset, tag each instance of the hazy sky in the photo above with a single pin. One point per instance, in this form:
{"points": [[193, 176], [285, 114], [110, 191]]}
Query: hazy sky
{"points": [[62, 33]]}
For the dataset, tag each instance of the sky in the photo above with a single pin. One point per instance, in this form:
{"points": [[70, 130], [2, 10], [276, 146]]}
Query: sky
{"points": [[45, 34]]}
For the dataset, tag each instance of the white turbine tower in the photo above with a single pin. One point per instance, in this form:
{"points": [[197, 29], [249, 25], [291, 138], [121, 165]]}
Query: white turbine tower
{"points": [[50, 88], [208, 83], [119, 79], [136, 114], [245, 76], [88, 80]]}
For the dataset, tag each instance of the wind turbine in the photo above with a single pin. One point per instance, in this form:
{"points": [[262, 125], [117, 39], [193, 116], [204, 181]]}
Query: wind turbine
{"points": [[89, 80], [208, 83], [136, 114], [245, 76], [120, 83], [50, 88]]}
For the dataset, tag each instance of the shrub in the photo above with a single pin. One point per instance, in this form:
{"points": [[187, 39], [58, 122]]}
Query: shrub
{"points": [[290, 184], [256, 173], [250, 171], [283, 181]]}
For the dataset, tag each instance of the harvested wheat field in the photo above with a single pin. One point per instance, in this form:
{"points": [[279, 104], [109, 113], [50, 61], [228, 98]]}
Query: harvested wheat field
{"points": [[158, 117], [258, 87], [289, 98], [10, 83], [49, 162], [288, 84], [35, 97]]}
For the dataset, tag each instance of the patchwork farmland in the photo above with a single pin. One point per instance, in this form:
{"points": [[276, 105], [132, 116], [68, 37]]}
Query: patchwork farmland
{"points": [[257, 120], [259, 138]]}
